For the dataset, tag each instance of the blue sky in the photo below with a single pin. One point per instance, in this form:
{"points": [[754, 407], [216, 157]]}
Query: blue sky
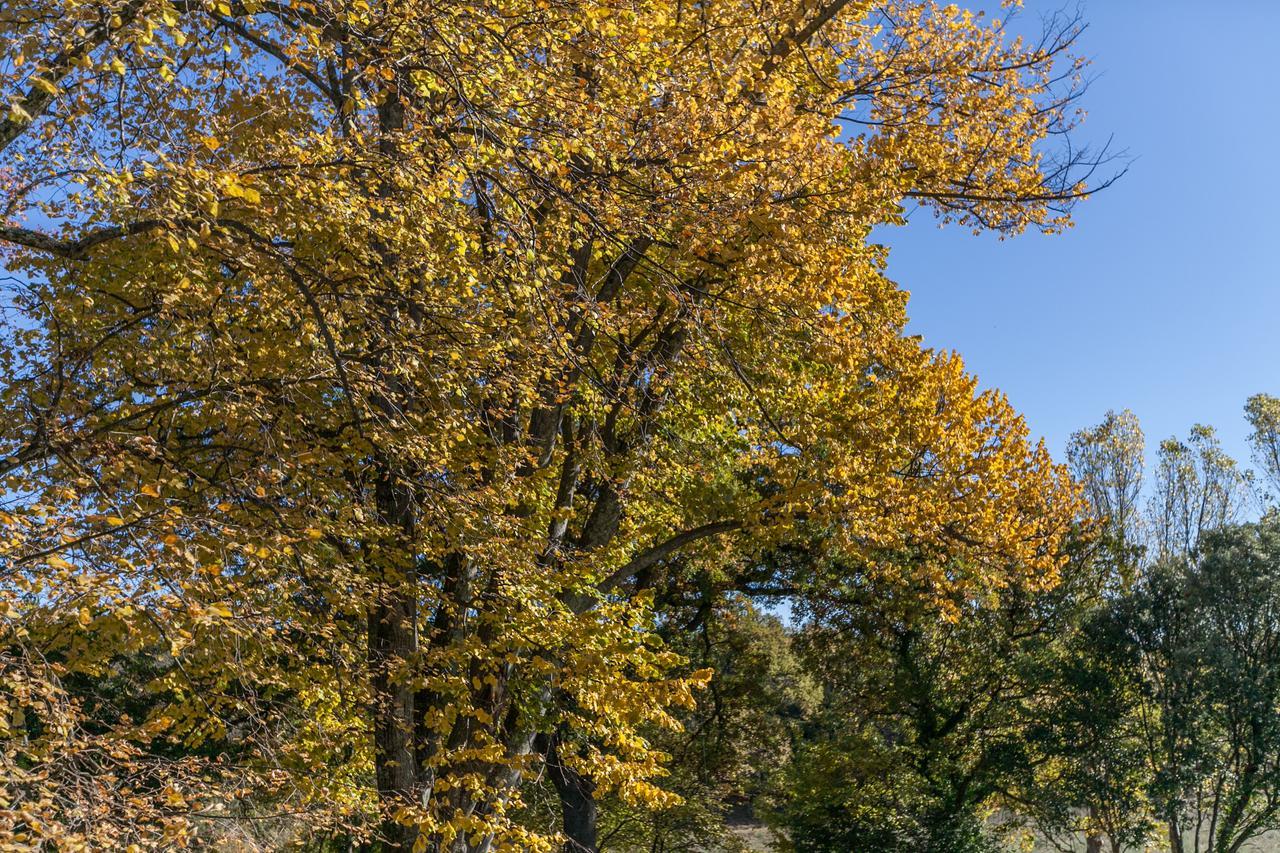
{"points": [[1165, 297]]}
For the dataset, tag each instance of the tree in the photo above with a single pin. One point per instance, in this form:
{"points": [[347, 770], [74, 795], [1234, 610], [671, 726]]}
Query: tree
{"points": [[1107, 461], [1198, 488], [1094, 779], [733, 744], [1205, 635], [363, 358], [1263, 413], [932, 716]]}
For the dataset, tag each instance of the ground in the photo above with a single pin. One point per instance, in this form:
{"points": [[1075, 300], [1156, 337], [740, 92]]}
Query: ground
{"points": [[757, 838]]}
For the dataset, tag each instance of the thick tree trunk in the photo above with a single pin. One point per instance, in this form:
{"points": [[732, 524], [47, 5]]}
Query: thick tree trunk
{"points": [[577, 802], [393, 614], [393, 642]]}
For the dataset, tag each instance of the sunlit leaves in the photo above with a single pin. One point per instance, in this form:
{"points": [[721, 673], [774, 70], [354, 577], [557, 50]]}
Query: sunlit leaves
{"points": [[461, 326]]}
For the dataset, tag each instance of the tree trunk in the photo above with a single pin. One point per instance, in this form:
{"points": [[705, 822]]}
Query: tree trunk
{"points": [[577, 801], [390, 643], [393, 641], [1175, 837], [1093, 841]]}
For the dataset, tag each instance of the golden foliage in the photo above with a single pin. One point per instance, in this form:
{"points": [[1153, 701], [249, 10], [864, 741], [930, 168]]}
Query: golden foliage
{"points": [[365, 357]]}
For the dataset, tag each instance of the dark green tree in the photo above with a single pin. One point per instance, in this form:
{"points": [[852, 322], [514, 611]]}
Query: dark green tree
{"points": [[1206, 634], [932, 715]]}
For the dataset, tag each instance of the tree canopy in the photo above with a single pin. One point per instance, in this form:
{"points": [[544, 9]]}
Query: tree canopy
{"points": [[371, 365]]}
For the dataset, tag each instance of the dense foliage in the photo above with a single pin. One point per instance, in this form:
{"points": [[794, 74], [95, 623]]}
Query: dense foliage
{"points": [[407, 403]]}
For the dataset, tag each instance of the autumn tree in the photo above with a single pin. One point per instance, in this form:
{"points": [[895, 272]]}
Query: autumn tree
{"points": [[364, 360], [726, 759]]}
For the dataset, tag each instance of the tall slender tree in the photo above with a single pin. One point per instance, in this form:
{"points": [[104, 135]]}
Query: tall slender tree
{"points": [[1107, 461], [1263, 414], [1198, 489]]}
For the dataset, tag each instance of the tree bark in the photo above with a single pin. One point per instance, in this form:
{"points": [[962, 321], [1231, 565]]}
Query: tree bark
{"points": [[393, 642], [393, 616], [577, 801], [1175, 837], [1093, 841], [390, 643]]}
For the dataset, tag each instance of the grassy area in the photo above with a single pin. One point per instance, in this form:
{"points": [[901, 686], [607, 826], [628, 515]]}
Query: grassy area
{"points": [[1269, 843], [758, 839]]}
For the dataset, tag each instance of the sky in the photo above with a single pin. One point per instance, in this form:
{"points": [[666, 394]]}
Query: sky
{"points": [[1165, 296]]}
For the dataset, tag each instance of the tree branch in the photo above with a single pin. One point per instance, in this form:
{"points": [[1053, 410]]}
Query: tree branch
{"points": [[37, 100], [783, 48], [78, 248], [652, 556]]}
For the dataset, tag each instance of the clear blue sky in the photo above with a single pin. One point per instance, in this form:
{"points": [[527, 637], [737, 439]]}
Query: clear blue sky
{"points": [[1165, 297]]}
